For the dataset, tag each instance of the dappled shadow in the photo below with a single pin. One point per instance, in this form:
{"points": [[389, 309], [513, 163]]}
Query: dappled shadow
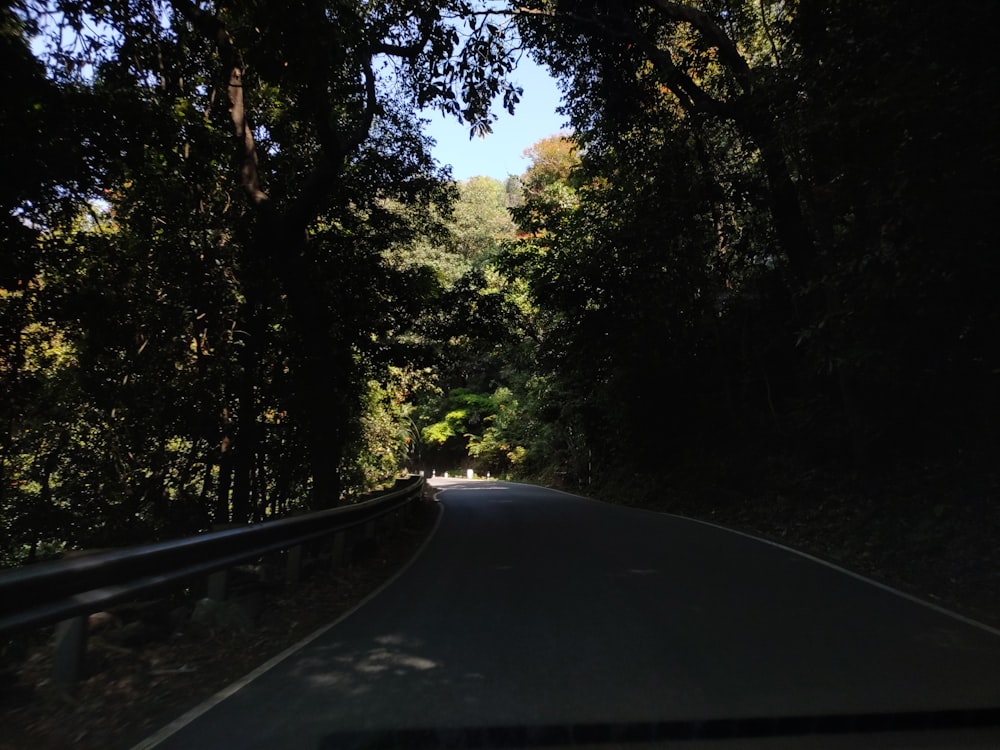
{"points": [[355, 672], [392, 681]]}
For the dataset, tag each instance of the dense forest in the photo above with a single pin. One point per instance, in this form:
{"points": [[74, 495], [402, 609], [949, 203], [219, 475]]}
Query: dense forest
{"points": [[759, 262]]}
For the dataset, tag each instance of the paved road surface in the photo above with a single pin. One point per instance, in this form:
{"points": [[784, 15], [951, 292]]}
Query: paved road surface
{"points": [[535, 609]]}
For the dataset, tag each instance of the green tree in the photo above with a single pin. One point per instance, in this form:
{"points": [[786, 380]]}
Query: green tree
{"points": [[480, 221], [207, 333], [764, 233], [553, 160]]}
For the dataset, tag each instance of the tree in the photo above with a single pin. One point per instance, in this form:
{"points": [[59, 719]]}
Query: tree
{"points": [[221, 287], [331, 72], [231, 261], [553, 160], [618, 58], [480, 221], [721, 170]]}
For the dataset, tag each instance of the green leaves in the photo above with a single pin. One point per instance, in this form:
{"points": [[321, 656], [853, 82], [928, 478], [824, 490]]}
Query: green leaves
{"points": [[765, 226], [480, 221], [217, 343]]}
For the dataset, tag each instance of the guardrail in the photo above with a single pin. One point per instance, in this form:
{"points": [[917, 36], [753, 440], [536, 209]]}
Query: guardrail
{"points": [[68, 591]]}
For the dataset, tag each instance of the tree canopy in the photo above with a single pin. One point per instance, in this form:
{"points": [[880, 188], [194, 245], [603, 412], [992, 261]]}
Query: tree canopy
{"points": [[235, 282], [201, 301]]}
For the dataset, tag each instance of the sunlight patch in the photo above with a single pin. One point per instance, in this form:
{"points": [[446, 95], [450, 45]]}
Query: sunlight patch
{"points": [[382, 660]]}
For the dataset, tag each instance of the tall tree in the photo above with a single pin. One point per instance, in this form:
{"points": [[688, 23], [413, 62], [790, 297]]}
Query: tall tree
{"points": [[695, 52], [794, 221], [480, 220], [235, 179]]}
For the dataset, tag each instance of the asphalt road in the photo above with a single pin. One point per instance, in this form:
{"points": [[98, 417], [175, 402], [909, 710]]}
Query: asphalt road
{"points": [[552, 618]]}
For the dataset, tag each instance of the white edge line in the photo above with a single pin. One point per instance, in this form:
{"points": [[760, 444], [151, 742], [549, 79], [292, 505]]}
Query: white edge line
{"points": [[846, 571], [182, 721], [877, 584]]}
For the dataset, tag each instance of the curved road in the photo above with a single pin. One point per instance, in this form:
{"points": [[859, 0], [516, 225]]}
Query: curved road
{"points": [[535, 612]]}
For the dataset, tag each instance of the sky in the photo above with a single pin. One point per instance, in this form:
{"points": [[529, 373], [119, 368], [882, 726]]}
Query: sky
{"points": [[498, 155]]}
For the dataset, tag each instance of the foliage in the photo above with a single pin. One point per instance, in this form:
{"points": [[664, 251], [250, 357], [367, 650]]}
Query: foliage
{"points": [[211, 270], [775, 242], [553, 160], [480, 221], [235, 282]]}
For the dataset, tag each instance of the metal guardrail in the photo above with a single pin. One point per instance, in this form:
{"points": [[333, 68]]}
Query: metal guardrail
{"points": [[57, 591]]}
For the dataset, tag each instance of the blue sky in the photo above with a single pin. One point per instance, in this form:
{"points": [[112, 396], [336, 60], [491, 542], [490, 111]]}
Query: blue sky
{"points": [[499, 154]]}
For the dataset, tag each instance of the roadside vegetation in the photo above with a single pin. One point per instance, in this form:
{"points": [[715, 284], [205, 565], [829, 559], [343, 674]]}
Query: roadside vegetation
{"points": [[753, 281]]}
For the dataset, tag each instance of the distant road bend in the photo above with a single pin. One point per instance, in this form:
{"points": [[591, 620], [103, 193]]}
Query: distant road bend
{"points": [[536, 618]]}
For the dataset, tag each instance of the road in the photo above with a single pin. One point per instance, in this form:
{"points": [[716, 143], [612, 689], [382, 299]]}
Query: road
{"points": [[536, 612]]}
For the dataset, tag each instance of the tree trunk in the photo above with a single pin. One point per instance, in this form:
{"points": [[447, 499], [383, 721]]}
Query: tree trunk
{"points": [[321, 405], [786, 211], [220, 514], [323, 381], [324, 374], [243, 458], [247, 436]]}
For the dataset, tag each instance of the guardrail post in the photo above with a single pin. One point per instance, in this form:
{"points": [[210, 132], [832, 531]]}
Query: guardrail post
{"points": [[293, 565], [70, 651], [218, 582]]}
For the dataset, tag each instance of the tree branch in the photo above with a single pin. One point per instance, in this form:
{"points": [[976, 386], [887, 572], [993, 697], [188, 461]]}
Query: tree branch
{"points": [[691, 96], [715, 35], [317, 186], [411, 50], [356, 138], [213, 29]]}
